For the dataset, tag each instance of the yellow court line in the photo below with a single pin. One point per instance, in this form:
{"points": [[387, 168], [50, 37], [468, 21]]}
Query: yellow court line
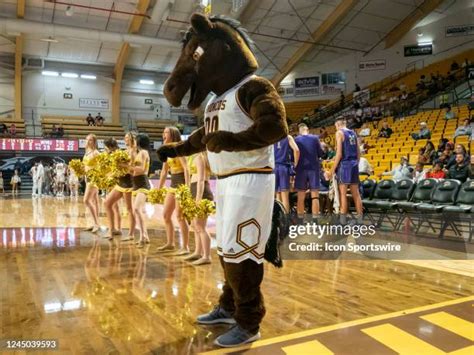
{"points": [[310, 347], [306, 333], [452, 323], [465, 351], [400, 341]]}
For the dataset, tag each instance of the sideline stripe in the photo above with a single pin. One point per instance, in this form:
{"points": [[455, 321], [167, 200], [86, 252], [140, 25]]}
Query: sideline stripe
{"points": [[310, 347], [452, 323], [400, 341], [315, 331]]}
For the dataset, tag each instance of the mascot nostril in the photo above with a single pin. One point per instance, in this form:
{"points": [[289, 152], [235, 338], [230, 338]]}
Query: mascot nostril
{"points": [[242, 120]]}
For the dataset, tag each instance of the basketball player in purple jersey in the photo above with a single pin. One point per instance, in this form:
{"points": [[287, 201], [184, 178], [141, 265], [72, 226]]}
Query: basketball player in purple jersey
{"points": [[308, 170], [283, 167], [346, 167]]}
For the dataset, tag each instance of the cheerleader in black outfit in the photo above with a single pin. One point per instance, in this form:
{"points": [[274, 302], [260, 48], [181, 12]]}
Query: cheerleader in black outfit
{"points": [[141, 186], [122, 189]]}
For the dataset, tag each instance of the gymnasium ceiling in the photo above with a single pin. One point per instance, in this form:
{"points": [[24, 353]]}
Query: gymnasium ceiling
{"points": [[278, 27]]}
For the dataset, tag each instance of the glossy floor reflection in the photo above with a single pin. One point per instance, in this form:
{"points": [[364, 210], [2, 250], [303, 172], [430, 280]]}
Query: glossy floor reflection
{"points": [[96, 296]]}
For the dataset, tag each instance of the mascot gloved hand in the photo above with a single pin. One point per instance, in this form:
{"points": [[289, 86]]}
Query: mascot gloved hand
{"points": [[166, 151], [218, 141]]}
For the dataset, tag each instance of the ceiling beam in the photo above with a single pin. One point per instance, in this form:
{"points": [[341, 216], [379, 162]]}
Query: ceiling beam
{"points": [[137, 21], [18, 89], [410, 21], [134, 27], [20, 9], [248, 11], [317, 36], [117, 86]]}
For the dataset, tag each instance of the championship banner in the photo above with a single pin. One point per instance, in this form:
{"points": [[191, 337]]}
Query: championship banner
{"points": [[378, 64], [332, 89], [461, 30], [308, 86], [37, 144]]}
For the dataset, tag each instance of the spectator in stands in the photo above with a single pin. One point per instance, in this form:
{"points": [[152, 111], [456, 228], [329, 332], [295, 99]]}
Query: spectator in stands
{"points": [[385, 131], [460, 149], [460, 170], [99, 120], [90, 120], [404, 96], [442, 145], [342, 100], [454, 66], [400, 172], [54, 130], [424, 132], [419, 173], [357, 88], [12, 130], [437, 172], [3, 129], [449, 114], [364, 166], [428, 154], [421, 83], [331, 153], [365, 130], [60, 131], [465, 130]]}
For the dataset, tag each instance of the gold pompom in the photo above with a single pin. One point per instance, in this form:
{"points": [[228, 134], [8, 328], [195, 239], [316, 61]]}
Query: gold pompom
{"points": [[205, 208], [188, 205], [157, 196], [119, 161], [77, 166]]}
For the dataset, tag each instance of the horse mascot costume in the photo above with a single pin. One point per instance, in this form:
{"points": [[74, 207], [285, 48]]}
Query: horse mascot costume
{"points": [[242, 120]]}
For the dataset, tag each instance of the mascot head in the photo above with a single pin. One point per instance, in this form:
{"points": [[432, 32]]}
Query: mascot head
{"points": [[216, 55]]}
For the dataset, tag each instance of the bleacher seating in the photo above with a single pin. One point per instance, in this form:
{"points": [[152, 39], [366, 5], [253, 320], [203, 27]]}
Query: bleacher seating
{"points": [[295, 110], [20, 126], [76, 127], [154, 128], [385, 154]]}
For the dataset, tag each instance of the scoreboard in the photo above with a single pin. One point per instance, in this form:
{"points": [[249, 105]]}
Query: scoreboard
{"points": [[38, 144]]}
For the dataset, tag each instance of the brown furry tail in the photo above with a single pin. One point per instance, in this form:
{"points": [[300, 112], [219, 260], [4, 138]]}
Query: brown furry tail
{"points": [[280, 225]]}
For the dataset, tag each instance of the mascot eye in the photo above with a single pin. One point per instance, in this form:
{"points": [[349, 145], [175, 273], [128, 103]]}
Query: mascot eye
{"points": [[198, 53]]}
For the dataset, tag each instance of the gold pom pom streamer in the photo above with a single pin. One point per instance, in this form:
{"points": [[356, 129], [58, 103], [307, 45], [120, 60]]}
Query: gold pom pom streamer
{"points": [[77, 166], [119, 161], [188, 205], [157, 196], [205, 208]]}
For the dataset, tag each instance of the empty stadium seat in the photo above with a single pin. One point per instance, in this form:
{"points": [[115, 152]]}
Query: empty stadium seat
{"points": [[445, 193]]}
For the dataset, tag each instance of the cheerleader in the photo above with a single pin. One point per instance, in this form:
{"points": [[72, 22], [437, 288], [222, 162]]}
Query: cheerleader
{"points": [[179, 176], [73, 183], [200, 189], [141, 185], [15, 180], [122, 189], [91, 195]]}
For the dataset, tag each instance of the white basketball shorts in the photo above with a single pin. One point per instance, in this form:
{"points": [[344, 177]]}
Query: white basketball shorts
{"points": [[244, 216]]}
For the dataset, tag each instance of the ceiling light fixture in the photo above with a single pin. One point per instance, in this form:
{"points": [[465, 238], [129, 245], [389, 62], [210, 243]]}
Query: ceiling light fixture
{"points": [[147, 82], [88, 76], [49, 39], [425, 43], [420, 34], [69, 75], [49, 73]]}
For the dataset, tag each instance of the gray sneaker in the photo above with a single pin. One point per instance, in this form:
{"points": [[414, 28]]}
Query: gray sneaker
{"points": [[217, 315], [236, 336]]}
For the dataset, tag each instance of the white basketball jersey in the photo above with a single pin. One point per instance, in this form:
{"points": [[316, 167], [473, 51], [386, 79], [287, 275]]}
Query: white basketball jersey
{"points": [[224, 113]]}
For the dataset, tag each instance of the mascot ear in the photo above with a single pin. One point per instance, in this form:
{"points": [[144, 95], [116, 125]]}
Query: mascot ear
{"points": [[201, 23]]}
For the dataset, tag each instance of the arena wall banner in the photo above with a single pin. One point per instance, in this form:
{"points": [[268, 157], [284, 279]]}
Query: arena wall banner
{"points": [[363, 95], [308, 86], [416, 50], [377, 64], [38, 144], [460, 30], [94, 103], [332, 89]]}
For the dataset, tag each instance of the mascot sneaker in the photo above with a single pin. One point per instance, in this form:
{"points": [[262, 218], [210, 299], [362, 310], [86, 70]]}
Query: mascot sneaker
{"points": [[236, 336], [217, 315]]}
